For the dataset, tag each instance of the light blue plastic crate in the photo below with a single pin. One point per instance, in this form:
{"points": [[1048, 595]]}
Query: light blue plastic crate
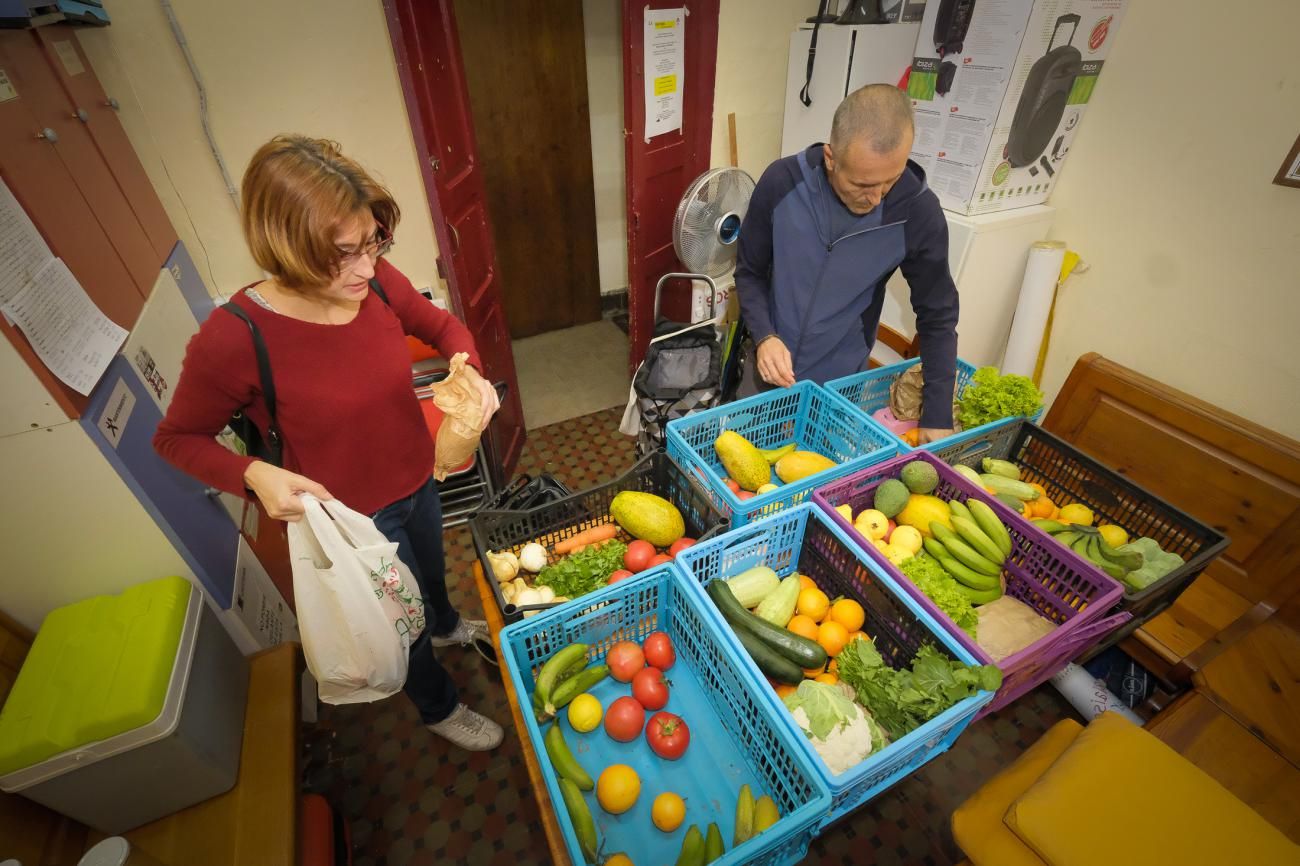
{"points": [[869, 392], [806, 414], [802, 539], [734, 739]]}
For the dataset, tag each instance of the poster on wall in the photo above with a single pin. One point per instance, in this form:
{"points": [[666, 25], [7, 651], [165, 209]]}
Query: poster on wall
{"points": [[664, 68]]}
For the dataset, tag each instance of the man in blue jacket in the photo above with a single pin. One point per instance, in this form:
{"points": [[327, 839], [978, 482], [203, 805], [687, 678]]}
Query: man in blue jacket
{"points": [[824, 231]]}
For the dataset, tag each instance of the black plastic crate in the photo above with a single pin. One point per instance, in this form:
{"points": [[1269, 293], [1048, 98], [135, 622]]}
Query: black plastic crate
{"points": [[566, 517], [1069, 474]]}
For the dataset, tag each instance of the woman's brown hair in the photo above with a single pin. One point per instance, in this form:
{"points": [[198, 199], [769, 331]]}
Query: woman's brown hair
{"points": [[298, 192]]}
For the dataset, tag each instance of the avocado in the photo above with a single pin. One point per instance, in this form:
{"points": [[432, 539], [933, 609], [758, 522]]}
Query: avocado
{"points": [[919, 476], [891, 497]]}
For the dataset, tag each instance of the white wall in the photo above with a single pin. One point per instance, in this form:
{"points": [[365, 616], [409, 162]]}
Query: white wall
{"points": [[1194, 253], [753, 45], [319, 67], [603, 31]]}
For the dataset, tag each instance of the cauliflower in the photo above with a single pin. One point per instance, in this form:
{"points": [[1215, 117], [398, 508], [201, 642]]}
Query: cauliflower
{"points": [[841, 731]]}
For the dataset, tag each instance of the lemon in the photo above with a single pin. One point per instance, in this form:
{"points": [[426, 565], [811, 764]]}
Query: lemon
{"points": [[1114, 535], [1076, 513], [585, 713], [668, 811], [617, 788], [619, 859]]}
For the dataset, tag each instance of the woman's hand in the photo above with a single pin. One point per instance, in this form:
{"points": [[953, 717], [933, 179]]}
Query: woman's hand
{"points": [[488, 400], [278, 490]]}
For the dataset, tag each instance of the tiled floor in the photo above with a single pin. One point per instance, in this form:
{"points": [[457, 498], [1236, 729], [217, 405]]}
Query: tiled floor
{"points": [[413, 799]]}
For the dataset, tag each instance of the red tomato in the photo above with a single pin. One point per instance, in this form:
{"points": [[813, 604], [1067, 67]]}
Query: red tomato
{"points": [[667, 735], [624, 660], [659, 653], [624, 718], [679, 545], [735, 488], [621, 574], [638, 556], [659, 559], [743, 495], [650, 689]]}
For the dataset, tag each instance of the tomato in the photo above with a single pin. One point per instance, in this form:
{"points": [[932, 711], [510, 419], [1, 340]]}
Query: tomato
{"points": [[621, 574], [624, 660], [624, 718], [660, 559], [667, 735], [659, 651], [679, 545], [650, 689], [743, 495], [638, 556], [731, 485]]}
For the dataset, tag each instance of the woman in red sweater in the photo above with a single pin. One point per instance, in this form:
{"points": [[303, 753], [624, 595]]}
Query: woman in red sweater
{"points": [[351, 424]]}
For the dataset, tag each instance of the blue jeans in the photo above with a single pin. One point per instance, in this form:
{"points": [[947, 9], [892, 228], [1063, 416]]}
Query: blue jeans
{"points": [[414, 523]]}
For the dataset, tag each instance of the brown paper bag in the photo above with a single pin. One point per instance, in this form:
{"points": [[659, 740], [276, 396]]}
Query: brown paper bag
{"points": [[457, 397]]}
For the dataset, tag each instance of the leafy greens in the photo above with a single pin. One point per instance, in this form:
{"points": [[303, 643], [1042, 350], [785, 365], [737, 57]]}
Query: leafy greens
{"points": [[991, 396], [585, 571], [930, 577], [903, 700]]}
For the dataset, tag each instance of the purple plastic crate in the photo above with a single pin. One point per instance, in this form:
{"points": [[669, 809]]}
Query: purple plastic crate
{"points": [[1060, 585]]}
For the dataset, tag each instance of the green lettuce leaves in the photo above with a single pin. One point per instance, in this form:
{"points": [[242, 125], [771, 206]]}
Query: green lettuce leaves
{"points": [[930, 577], [991, 396]]}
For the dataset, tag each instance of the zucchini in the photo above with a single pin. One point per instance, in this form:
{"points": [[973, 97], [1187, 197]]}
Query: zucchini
{"points": [[803, 652], [769, 661], [779, 606], [1002, 484], [753, 586]]}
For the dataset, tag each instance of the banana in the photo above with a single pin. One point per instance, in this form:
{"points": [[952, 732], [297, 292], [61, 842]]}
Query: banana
{"points": [[744, 816], [1051, 527], [960, 510], [1080, 546], [963, 552], [1092, 552], [961, 574], [1129, 560], [975, 537], [571, 655], [984, 517], [981, 596], [1067, 537], [1001, 467], [562, 759]]}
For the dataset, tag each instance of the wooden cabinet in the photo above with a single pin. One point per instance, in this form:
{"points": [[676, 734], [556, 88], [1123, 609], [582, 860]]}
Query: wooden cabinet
{"points": [[67, 160]]}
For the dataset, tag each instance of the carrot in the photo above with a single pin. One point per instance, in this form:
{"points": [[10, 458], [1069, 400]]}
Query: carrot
{"points": [[603, 532]]}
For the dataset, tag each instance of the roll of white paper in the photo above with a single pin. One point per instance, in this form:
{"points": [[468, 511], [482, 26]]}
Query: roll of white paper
{"points": [[1090, 696], [1037, 289]]}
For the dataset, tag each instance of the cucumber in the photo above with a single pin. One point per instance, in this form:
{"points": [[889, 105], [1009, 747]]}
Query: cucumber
{"points": [[752, 586], [1004, 468], [803, 652], [779, 606], [562, 759], [1016, 505], [769, 661], [1002, 484], [574, 686], [583, 825]]}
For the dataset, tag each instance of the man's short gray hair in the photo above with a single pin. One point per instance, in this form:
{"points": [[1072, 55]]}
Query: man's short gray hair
{"points": [[877, 114]]}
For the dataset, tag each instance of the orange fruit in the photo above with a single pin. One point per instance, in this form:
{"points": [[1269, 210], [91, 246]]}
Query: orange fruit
{"points": [[802, 626], [806, 582], [812, 673], [832, 636], [1042, 491], [783, 689], [833, 667], [668, 811], [854, 635], [1043, 507], [827, 678], [913, 437], [617, 788], [848, 613], [813, 604], [619, 859]]}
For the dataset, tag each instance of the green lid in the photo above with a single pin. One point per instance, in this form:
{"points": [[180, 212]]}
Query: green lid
{"points": [[97, 668]]}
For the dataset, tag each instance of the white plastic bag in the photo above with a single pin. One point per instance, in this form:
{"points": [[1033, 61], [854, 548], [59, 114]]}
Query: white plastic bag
{"points": [[358, 607]]}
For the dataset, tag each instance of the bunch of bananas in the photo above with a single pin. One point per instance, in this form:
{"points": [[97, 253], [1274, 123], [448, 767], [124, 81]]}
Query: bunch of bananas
{"points": [[1088, 542], [973, 551]]}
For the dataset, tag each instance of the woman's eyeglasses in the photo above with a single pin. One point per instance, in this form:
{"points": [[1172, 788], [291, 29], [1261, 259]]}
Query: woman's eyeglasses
{"points": [[377, 246]]}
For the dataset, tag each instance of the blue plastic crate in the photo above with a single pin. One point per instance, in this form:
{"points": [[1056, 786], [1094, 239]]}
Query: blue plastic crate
{"points": [[804, 540], [734, 739], [806, 414], [869, 392]]}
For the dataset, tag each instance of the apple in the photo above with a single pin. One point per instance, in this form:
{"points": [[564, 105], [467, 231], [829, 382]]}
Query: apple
{"points": [[872, 523], [906, 538]]}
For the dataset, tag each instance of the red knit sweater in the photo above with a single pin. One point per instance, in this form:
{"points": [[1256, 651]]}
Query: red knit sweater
{"points": [[344, 398]]}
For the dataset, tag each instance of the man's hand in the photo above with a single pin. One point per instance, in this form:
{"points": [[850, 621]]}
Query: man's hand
{"points": [[774, 363], [277, 489], [932, 434]]}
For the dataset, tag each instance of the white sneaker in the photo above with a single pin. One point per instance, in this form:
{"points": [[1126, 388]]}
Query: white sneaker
{"points": [[469, 730], [466, 630]]}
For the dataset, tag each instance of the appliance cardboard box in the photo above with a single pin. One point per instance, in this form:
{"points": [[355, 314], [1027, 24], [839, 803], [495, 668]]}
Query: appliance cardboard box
{"points": [[1000, 88]]}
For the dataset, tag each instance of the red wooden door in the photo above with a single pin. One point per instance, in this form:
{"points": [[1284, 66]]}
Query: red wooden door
{"points": [[427, 51], [659, 170]]}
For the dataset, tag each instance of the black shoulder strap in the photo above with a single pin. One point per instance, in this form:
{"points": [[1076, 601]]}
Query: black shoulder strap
{"points": [[378, 290], [264, 371], [804, 96]]}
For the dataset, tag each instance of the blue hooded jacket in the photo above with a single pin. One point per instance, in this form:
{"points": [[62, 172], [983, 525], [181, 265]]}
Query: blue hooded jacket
{"points": [[822, 295]]}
